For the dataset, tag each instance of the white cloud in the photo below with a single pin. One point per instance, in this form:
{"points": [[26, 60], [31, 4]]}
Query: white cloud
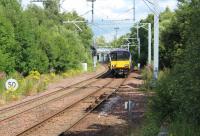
{"points": [[109, 9], [172, 4], [112, 9], [103, 9]]}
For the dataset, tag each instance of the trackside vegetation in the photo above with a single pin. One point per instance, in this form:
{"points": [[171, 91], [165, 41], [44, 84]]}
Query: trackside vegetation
{"points": [[32, 84], [175, 104], [37, 47], [36, 38]]}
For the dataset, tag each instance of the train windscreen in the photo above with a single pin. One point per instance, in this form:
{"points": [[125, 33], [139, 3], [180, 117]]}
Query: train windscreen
{"points": [[120, 55]]}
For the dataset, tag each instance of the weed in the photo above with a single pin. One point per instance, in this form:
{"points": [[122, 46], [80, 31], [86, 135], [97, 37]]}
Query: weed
{"points": [[183, 128], [32, 84]]}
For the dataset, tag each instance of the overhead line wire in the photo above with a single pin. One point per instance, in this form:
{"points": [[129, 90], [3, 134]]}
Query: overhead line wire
{"points": [[152, 10], [97, 26], [150, 2]]}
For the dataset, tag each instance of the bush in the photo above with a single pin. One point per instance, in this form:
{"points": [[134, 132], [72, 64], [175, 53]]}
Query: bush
{"points": [[147, 75], [36, 39], [183, 128], [151, 125], [36, 60], [7, 63], [177, 95]]}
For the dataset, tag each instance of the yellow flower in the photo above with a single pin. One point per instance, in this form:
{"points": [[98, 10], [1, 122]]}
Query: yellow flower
{"points": [[46, 79], [65, 74], [13, 96], [34, 75], [11, 89], [53, 75]]}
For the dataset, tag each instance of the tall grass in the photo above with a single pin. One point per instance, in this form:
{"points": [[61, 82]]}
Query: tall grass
{"points": [[152, 123], [71, 73], [162, 103], [149, 82], [183, 128], [147, 75], [32, 84]]}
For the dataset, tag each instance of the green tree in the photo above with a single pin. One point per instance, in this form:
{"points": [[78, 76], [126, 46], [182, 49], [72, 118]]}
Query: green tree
{"points": [[36, 60], [177, 94], [8, 46], [52, 6], [37, 39], [100, 41], [6, 62]]}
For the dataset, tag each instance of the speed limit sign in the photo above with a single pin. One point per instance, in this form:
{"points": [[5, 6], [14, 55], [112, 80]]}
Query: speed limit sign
{"points": [[11, 84]]}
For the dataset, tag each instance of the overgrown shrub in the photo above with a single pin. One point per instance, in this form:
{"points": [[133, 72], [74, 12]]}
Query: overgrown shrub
{"points": [[147, 76], [176, 101], [32, 84], [36, 39], [183, 128]]}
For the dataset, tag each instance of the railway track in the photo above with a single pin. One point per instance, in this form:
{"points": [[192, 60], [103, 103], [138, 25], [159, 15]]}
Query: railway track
{"points": [[17, 109], [11, 117], [91, 109], [37, 113], [68, 117]]}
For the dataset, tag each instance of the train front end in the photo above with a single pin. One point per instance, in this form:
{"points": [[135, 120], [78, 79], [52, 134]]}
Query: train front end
{"points": [[120, 62]]}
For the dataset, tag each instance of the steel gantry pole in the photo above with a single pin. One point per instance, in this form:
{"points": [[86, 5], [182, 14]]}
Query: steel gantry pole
{"points": [[92, 9], [138, 39], [133, 10], [149, 43], [116, 32], [94, 57], [156, 39]]}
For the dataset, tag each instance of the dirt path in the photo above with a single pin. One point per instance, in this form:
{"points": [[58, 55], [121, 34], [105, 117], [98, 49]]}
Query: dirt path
{"points": [[111, 118]]}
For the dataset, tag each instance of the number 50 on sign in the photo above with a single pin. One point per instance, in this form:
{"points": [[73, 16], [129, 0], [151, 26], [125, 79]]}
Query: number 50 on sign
{"points": [[11, 84]]}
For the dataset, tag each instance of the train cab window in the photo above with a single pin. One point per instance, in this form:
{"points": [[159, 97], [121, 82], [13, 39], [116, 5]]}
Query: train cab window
{"points": [[120, 55], [123, 56]]}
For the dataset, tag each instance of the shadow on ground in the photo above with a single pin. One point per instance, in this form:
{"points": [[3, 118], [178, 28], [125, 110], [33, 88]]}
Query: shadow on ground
{"points": [[130, 123], [105, 130], [131, 126]]}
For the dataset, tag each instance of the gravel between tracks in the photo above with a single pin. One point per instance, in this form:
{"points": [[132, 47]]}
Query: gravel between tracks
{"points": [[111, 119], [26, 120], [62, 122], [23, 121]]}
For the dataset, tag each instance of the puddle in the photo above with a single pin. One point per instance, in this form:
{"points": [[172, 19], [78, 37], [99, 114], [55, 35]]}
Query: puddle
{"points": [[108, 105]]}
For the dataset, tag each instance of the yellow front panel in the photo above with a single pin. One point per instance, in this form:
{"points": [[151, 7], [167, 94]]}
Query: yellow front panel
{"points": [[120, 64]]}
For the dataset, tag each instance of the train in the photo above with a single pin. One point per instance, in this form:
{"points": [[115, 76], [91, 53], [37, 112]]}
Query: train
{"points": [[120, 62]]}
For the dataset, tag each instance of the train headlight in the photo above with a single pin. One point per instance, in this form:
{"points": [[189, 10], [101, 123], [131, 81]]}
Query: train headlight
{"points": [[113, 66], [126, 66]]}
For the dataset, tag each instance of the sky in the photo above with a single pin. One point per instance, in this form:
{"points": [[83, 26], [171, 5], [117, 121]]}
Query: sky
{"points": [[107, 10]]}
